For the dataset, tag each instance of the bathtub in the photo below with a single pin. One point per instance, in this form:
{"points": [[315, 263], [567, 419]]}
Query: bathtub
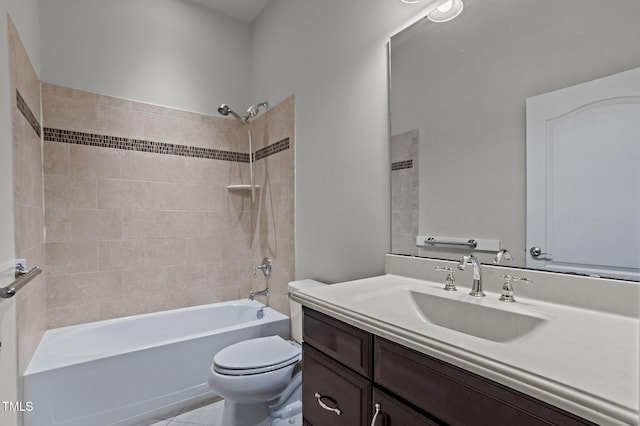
{"points": [[122, 371]]}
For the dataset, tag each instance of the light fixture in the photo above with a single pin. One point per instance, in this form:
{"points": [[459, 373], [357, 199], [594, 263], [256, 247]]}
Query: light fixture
{"points": [[447, 11]]}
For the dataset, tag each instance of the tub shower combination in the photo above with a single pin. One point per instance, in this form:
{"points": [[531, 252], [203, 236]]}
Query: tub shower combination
{"points": [[125, 370]]}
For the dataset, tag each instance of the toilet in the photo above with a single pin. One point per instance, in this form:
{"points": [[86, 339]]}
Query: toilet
{"points": [[260, 379]]}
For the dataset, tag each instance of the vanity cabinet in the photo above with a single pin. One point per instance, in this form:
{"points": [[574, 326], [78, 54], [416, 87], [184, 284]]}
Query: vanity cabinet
{"points": [[347, 371]]}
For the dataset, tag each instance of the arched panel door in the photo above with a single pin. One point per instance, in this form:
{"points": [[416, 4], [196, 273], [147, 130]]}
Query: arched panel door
{"points": [[583, 178]]}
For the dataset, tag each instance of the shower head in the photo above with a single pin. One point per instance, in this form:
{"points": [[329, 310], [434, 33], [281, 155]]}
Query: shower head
{"points": [[254, 109], [225, 110]]}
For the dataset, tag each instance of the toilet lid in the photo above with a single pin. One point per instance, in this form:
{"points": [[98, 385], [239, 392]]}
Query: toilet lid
{"points": [[256, 356]]}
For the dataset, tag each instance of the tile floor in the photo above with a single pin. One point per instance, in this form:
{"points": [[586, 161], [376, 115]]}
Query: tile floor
{"points": [[208, 413]]}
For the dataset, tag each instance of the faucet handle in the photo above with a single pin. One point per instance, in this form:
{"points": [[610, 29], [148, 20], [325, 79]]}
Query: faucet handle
{"points": [[450, 281], [507, 288], [265, 267]]}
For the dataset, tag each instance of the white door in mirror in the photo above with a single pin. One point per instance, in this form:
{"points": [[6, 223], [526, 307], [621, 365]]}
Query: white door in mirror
{"points": [[583, 178]]}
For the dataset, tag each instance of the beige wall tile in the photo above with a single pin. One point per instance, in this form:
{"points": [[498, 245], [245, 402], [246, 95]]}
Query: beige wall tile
{"points": [[22, 75], [56, 158], [30, 227], [27, 183], [164, 196], [118, 102], [204, 197], [94, 161], [152, 167], [120, 255], [205, 171], [119, 121], [31, 315], [142, 223], [121, 308], [182, 278], [281, 121], [220, 274], [84, 288], [74, 94], [160, 128], [71, 257], [185, 224], [70, 192], [119, 194], [164, 252], [203, 250], [57, 225], [141, 283], [31, 318], [95, 225], [71, 315], [72, 112], [156, 109]]}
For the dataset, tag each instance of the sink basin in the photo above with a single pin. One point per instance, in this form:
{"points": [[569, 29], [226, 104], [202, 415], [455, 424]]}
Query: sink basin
{"points": [[464, 314], [476, 319]]}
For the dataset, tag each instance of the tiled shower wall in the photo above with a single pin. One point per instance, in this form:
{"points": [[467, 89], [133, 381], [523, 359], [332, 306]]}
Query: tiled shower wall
{"points": [[131, 232], [27, 194], [404, 192]]}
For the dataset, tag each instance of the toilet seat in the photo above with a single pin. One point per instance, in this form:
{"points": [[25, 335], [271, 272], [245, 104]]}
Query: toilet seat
{"points": [[256, 356]]}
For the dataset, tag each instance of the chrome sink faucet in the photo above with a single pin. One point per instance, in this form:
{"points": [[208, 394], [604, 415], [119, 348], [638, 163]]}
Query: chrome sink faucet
{"points": [[476, 289]]}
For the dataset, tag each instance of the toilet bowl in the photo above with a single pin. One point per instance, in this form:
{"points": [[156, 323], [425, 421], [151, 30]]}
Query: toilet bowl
{"points": [[260, 379]]}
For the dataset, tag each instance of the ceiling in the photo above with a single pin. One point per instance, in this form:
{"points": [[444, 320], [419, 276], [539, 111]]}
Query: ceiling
{"points": [[243, 10]]}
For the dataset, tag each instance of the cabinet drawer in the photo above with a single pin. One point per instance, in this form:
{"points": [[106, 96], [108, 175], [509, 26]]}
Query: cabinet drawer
{"points": [[342, 342], [456, 396], [394, 413], [338, 387]]}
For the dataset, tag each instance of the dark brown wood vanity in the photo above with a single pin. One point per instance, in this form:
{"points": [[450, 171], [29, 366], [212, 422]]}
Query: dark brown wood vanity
{"points": [[347, 372]]}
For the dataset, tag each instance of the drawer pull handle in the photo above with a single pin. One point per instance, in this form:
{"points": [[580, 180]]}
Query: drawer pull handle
{"points": [[325, 406], [375, 415]]}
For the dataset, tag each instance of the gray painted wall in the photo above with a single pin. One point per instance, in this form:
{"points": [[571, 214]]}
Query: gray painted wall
{"points": [[167, 52], [333, 55]]}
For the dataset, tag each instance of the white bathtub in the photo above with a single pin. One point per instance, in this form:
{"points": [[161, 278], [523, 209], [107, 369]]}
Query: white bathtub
{"points": [[126, 370]]}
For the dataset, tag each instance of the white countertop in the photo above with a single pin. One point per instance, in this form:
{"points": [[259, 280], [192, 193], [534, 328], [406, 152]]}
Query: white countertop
{"points": [[583, 361]]}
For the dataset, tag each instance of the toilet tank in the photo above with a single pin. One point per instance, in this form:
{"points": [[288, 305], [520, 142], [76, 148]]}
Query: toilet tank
{"points": [[296, 308]]}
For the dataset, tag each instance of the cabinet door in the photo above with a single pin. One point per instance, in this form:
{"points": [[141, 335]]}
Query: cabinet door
{"points": [[456, 396], [332, 394], [391, 412]]}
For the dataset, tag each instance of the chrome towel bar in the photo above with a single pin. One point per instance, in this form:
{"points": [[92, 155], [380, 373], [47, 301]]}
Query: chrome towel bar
{"points": [[433, 242], [22, 278]]}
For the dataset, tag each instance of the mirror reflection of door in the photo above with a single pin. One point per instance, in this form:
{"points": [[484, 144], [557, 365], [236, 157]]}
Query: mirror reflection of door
{"points": [[583, 178]]}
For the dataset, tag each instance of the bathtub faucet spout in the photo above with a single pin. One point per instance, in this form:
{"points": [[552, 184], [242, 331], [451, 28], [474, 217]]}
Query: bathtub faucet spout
{"points": [[253, 294]]}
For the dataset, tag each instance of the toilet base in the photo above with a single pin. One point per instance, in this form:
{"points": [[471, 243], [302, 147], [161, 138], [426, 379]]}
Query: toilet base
{"points": [[284, 411], [293, 421], [236, 414]]}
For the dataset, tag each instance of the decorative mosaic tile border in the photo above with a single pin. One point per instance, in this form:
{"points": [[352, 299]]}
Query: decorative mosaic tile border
{"points": [[271, 149], [399, 165], [92, 139], [28, 114]]}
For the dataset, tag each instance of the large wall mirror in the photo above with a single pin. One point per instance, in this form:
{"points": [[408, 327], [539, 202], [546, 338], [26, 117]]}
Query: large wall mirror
{"points": [[467, 98]]}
